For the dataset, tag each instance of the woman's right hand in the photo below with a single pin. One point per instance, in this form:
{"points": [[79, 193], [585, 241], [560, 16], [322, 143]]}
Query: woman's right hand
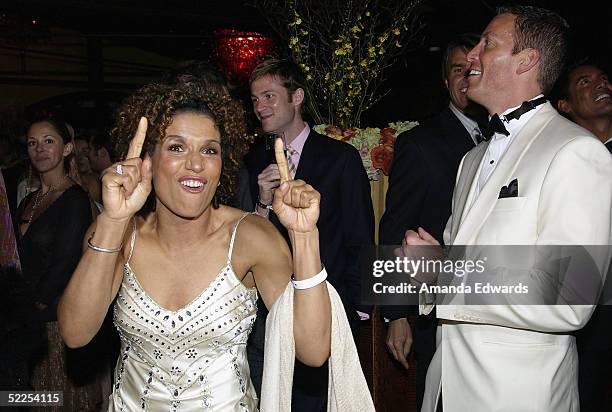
{"points": [[296, 203], [125, 193]]}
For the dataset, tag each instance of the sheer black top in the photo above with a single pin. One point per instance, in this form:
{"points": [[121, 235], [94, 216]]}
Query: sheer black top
{"points": [[51, 247]]}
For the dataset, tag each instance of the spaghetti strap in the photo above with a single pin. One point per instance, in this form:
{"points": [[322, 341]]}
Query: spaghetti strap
{"points": [[132, 240], [231, 245]]}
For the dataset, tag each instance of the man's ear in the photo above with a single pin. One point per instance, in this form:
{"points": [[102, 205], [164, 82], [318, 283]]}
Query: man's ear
{"points": [[446, 84], [564, 106], [298, 96], [528, 58], [68, 148]]}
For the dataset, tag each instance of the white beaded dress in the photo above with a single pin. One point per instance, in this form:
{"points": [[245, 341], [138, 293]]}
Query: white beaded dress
{"points": [[190, 359]]}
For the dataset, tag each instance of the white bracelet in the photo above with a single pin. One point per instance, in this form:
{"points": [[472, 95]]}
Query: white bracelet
{"points": [[310, 282]]}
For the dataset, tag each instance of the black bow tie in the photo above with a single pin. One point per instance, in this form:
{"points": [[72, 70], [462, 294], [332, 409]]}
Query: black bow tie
{"points": [[495, 124]]}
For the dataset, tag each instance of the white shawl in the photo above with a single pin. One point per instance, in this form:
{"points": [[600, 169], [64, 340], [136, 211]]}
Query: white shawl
{"points": [[347, 390]]}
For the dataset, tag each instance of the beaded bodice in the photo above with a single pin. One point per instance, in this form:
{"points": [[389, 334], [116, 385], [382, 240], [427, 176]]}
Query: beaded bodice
{"points": [[193, 358]]}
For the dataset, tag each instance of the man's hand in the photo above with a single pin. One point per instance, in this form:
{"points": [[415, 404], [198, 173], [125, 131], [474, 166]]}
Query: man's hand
{"points": [[399, 340], [421, 245], [419, 238], [268, 180]]}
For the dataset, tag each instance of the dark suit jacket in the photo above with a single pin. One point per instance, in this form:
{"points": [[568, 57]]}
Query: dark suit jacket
{"points": [[346, 221], [597, 333], [594, 344], [421, 182]]}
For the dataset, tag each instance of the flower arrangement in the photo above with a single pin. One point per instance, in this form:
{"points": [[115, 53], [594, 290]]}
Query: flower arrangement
{"points": [[344, 48], [375, 146]]}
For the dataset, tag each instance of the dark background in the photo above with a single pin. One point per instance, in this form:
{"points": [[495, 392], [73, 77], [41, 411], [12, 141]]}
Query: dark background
{"points": [[183, 29]]}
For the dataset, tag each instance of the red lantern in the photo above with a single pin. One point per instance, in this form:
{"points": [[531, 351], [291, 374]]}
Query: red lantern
{"points": [[239, 52]]}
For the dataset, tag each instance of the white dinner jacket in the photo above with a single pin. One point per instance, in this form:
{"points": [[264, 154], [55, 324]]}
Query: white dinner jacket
{"points": [[517, 357]]}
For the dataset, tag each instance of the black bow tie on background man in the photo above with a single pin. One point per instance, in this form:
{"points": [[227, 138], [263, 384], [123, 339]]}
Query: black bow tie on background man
{"points": [[497, 126]]}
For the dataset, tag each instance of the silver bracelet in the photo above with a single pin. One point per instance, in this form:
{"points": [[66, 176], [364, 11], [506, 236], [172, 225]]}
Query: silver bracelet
{"points": [[311, 281], [101, 249]]}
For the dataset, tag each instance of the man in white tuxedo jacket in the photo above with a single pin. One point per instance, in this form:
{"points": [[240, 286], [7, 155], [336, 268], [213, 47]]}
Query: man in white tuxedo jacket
{"points": [[519, 357]]}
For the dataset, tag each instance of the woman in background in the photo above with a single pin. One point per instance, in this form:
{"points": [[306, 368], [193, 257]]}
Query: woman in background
{"points": [[89, 179], [52, 223]]}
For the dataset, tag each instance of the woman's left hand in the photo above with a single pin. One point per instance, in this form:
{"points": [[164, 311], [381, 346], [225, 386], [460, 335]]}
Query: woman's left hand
{"points": [[295, 203]]}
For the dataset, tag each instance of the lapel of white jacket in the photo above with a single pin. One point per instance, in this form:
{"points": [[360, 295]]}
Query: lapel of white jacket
{"points": [[475, 215], [465, 187]]}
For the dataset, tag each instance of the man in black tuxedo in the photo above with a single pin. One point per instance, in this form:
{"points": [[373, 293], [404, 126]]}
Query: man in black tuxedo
{"points": [[584, 95], [421, 184], [334, 168]]}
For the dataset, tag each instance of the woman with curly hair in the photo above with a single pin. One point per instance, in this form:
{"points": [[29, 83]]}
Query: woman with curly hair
{"points": [[184, 277]]}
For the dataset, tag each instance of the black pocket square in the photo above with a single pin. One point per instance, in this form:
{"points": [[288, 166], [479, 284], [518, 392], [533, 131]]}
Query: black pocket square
{"points": [[509, 191]]}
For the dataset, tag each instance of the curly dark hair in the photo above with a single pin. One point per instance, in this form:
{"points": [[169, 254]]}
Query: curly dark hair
{"points": [[158, 102]]}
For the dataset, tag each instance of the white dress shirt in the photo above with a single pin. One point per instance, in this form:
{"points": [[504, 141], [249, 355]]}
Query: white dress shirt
{"points": [[499, 143], [470, 125]]}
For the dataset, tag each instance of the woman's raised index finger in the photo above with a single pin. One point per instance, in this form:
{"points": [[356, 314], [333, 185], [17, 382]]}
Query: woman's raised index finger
{"points": [[138, 140], [281, 160]]}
